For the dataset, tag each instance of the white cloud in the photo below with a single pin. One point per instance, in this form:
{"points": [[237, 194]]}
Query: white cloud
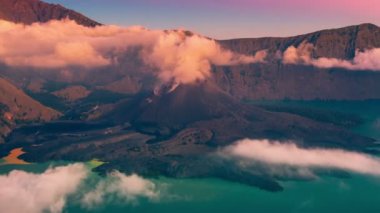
{"points": [[49, 191], [288, 154], [126, 188], [300, 54], [22, 192], [175, 55], [366, 60]]}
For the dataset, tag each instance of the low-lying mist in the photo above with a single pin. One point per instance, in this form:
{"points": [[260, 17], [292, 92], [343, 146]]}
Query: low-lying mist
{"points": [[288, 154]]}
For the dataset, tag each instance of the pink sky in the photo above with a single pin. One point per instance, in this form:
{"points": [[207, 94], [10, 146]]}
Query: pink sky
{"points": [[345, 7], [232, 18]]}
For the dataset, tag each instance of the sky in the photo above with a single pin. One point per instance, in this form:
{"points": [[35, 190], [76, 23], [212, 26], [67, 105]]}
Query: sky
{"points": [[224, 19]]}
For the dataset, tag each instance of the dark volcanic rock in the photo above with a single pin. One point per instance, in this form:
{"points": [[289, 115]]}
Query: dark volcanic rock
{"points": [[203, 105], [176, 109], [178, 133], [30, 11]]}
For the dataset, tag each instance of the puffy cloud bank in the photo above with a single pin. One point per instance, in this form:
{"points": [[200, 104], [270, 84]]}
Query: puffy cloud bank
{"points": [[34, 193], [288, 154], [21, 191], [367, 60], [177, 56], [126, 188]]}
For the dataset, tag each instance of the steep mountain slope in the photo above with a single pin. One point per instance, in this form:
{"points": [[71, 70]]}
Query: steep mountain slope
{"points": [[297, 82], [30, 11], [274, 80], [16, 106], [176, 131], [334, 43]]}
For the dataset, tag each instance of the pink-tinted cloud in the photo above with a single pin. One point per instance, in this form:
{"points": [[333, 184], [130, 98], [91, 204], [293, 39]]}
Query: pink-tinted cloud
{"points": [[366, 60], [174, 56]]}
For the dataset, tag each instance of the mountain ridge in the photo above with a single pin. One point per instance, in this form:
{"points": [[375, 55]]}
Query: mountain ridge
{"points": [[31, 11], [303, 34], [271, 80], [16, 106], [339, 43], [177, 131], [276, 80]]}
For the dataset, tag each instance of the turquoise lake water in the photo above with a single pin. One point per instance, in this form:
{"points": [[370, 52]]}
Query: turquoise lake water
{"points": [[358, 193], [369, 111]]}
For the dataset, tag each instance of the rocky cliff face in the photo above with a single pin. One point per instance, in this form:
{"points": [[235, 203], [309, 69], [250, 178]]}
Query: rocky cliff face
{"points": [[30, 11], [272, 80], [275, 80], [334, 43]]}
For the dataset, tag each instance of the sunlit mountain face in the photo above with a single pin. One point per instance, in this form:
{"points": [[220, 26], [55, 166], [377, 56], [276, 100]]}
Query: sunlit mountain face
{"points": [[123, 112]]}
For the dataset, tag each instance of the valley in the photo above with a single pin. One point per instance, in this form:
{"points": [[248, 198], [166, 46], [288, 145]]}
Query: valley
{"points": [[169, 103]]}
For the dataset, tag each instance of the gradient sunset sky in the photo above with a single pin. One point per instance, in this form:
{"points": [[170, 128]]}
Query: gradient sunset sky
{"points": [[223, 19]]}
